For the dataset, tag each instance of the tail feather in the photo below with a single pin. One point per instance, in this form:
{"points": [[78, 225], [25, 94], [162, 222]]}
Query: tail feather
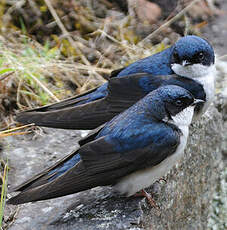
{"points": [[75, 180], [48, 174]]}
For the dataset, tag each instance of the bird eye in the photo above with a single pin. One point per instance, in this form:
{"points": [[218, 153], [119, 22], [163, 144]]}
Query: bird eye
{"points": [[178, 102], [176, 57], [201, 55]]}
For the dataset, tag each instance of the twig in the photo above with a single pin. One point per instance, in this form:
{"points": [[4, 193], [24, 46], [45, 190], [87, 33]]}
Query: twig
{"points": [[14, 134], [113, 39], [168, 22], [18, 92], [65, 32], [91, 68], [17, 128]]}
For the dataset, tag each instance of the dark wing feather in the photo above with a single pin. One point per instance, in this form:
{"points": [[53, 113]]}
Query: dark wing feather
{"points": [[72, 100], [122, 93], [42, 177], [91, 135], [115, 72], [99, 155], [87, 116]]}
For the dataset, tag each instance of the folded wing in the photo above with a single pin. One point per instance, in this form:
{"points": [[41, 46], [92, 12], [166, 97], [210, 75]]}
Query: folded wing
{"points": [[100, 165]]}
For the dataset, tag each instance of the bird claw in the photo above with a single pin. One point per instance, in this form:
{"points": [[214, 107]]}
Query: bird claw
{"points": [[162, 179], [143, 193]]}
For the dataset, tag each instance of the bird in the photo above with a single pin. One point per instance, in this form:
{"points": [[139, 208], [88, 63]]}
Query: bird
{"points": [[191, 57], [130, 152]]}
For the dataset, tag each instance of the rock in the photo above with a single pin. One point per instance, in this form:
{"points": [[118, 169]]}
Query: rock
{"points": [[168, 7], [147, 12]]}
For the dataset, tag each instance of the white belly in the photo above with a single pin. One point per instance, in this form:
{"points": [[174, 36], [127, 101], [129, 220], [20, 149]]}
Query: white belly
{"points": [[138, 180]]}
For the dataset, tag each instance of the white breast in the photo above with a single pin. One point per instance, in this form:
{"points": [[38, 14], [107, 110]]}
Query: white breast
{"points": [[208, 83], [205, 75], [138, 180]]}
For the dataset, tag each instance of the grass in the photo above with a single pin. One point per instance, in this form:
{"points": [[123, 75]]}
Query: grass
{"points": [[26, 63], [3, 193]]}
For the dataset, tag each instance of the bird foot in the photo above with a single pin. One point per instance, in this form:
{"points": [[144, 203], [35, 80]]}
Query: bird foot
{"points": [[162, 179], [143, 193]]}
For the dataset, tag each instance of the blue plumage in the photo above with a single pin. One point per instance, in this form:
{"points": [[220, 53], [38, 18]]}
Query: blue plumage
{"points": [[136, 127], [188, 48], [157, 64], [56, 172]]}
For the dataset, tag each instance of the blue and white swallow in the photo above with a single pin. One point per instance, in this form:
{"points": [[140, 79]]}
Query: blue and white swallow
{"points": [[130, 152], [189, 61]]}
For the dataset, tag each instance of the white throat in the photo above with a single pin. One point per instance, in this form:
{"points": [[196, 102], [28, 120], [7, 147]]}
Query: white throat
{"points": [[205, 75], [183, 118], [193, 71]]}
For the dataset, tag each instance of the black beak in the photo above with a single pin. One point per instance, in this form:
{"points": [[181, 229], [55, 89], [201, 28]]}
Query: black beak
{"points": [[198, 101]]}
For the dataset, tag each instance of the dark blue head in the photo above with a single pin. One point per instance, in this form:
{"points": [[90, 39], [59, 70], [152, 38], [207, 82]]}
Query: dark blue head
{"points": [[169, 101], [192, 49], [192, 56], [174, 98]]}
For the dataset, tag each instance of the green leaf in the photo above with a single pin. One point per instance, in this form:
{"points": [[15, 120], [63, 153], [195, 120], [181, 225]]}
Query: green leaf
{"points": [[6, 70]]}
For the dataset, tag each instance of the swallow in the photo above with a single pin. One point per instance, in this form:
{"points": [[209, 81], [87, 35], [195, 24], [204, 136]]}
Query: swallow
{"points": [[130, 152], [191, 58]]}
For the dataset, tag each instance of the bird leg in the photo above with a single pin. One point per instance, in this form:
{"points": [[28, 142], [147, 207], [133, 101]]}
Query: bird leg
{"points": [[162, 179], [143, 193]]}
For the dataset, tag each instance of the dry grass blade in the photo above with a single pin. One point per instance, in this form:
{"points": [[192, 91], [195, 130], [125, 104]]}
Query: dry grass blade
{"points": [[17, 128], [14, 134], [11, 132], [42, 86], [6, 75], [3, 193], [92, 68]]}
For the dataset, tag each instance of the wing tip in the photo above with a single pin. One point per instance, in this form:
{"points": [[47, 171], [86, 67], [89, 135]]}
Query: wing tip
{"points": [[20, 198], [13, 201]]}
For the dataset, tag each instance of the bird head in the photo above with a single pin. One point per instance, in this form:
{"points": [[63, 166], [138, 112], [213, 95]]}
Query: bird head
{"points": [[192, 57], [177, 103]]}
